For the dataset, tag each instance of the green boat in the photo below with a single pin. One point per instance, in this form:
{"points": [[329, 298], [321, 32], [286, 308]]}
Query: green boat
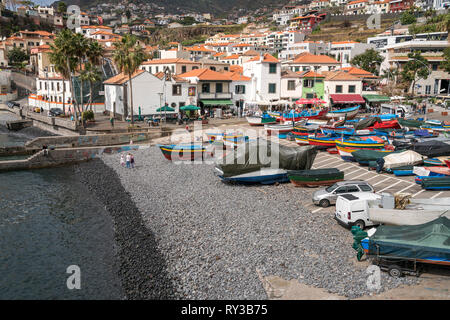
{"points": [[313, 178], [411, 124], [441, 183], [363, 157]]}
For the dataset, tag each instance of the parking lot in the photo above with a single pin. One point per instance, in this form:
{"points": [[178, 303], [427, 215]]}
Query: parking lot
{"points": [[382, 182]]}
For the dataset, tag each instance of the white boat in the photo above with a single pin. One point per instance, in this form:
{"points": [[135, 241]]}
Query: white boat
{"points": [[278, 128], [419, 211], [263, 176], [407, 158], [259, 121]]}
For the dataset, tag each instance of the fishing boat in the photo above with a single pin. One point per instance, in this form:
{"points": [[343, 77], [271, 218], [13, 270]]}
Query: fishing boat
{"points": [[410, 124], [220, 136], [278, 128], [402, 159], [440, 170], [394, 248], [308, 115], [366, 143], [363, 157], [419, 179], [348, 113], [266, 168], [403, 171], [436, 162], [432, 148], [261, 120], [322, 141], [314, 178], [439, 183], [184, 151], [417, 211]]}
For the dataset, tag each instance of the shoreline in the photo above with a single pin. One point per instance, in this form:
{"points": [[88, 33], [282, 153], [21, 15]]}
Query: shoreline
{"points": [[137, 253]]}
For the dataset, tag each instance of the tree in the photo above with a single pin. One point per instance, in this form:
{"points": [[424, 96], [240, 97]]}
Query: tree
{"points": [[62, 7], [416, 68], [16, 57], [91, 74], [369, 61], [446, 63], [407, 17], [128, 56]]}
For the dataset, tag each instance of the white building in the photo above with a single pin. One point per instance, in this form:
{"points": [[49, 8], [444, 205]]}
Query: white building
{"points": [[291, 85], [345, 51], [265, 72], [341, 83], [294, 49]]}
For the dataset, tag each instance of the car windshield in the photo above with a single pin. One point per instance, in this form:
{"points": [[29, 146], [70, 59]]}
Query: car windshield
{"points": [[331, 189]]}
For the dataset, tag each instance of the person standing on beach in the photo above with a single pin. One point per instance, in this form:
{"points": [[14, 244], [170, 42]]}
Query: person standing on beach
{"points": [[122, 160], [132, 160], [128, 160]]}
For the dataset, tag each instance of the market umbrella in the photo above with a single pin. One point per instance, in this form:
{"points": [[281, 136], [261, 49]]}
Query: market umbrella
{"points": [[303, 101], [165, 108], [189, 108]]}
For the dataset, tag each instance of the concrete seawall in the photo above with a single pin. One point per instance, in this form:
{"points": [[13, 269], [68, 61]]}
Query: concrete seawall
{"points": [[60, 157]]}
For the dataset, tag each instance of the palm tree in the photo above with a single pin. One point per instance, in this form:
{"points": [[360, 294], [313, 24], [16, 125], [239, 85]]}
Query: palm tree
{"points": [[128, 56], [81, 48], [59, 61], [65, 59], [92, 75]]}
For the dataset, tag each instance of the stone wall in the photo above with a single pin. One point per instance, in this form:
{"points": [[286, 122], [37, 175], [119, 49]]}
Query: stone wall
{"points": [[60, 157]]}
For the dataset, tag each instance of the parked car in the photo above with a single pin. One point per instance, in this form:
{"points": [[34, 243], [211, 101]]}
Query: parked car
{"points": [[54, 112], [328, 196], [352, 209]]}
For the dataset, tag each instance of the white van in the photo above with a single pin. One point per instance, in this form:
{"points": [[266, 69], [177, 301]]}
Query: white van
{"points": [[352, 209], [397, 109]]}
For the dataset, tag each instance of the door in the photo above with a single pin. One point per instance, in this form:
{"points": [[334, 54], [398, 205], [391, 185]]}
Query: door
{"points": [[338, 192]]}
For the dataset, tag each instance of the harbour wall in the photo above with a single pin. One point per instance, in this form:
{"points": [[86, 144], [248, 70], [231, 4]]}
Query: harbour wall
{"points": [[60, 157]]}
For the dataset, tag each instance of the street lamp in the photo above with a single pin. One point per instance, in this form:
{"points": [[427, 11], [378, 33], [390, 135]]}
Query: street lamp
{"points": [[160, 106]]}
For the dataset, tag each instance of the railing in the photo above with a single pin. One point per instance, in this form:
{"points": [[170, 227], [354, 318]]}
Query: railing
{"points": [[215, 95]]}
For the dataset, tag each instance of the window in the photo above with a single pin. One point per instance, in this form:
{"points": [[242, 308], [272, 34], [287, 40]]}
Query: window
{"points": [[427, 89], [213, 68], [176, 90], [173, 69], [272, 88], [364, 187], [193, 68], [297, 69], [352, 189], [157, 69], [205, 88], [341, 190], [183, 69], [339, 89], [308, 83], [57, 86], [272, 68], [52, 86], [291, 85], [434, 66], [240, 89], [309, 95], [219, 87], [351, 89]]}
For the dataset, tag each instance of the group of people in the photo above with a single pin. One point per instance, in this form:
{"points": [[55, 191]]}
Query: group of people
{"points": [[127, 161], [421, 109]]}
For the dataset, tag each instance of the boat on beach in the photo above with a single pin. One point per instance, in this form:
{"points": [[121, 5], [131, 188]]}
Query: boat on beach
{"points": [[278, 128], [314, 178], [348, 113], [184, 151], [261, 120]]}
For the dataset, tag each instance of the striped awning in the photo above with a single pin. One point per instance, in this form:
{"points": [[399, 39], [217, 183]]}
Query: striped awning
{"points": [[376, 98], [217, 102]]}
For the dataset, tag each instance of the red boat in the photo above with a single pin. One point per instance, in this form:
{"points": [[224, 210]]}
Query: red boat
{"points": [[391, 124]]}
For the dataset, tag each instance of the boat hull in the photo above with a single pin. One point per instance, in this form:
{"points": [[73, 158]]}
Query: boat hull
{"points": [[181, 153]]}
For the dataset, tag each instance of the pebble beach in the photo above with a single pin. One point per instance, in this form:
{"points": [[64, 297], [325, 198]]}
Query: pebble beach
{"points": [[182, 233]]}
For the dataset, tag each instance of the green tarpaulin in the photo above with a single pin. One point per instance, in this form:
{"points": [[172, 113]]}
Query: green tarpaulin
{"points": [[217, 102], [189, 108], [376, 98], [165, 108], [426, 241]]}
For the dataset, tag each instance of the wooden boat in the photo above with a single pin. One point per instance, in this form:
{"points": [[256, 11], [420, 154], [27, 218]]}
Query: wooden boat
{"points": [[262, 176], [363, 157], [220, 136], [439, 183], [412, 216], [440, 170], [324, 141], [436, 162], [345, 153], [278, 128], [184, 151], [261, 120], [348, 113], [313, 178], [302, 139], [403, 171], [390, 124], [308, 115], [366, 143]]}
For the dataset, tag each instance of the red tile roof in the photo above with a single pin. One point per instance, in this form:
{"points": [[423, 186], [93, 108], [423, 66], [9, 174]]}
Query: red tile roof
{"points": [[206, 75]]}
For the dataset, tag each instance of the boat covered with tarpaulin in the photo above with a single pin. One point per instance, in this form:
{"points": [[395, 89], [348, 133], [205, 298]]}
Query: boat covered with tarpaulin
{"points": [[365, 156], [402, 159], [317, 177], [411, 124], [262, 161], [432, 148], [427, 243], [436, 183]]}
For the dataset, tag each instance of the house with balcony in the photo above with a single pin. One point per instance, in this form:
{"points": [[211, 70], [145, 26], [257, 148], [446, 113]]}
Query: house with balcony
{"points": [[307, 61], [340, 87], [400, 5], [356, 7], [212, 88], [438, 80], [312, 84]]}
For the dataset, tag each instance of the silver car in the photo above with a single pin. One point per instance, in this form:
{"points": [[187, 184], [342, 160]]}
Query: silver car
{"points": [[328, 196]]}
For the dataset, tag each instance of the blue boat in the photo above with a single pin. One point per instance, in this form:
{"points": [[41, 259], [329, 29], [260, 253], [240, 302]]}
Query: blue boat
{"points": [[263, 176]]}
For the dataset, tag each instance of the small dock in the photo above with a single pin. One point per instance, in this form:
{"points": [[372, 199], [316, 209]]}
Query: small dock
{"points": [[19, 124]]}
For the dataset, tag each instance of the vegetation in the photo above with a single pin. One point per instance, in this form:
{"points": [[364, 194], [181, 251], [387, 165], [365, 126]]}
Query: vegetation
{"points": [[18, 57], [369, 61], [128, 56], [407, 17], [446, 63], [439, 23], [415, 69], [88, 115]]}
